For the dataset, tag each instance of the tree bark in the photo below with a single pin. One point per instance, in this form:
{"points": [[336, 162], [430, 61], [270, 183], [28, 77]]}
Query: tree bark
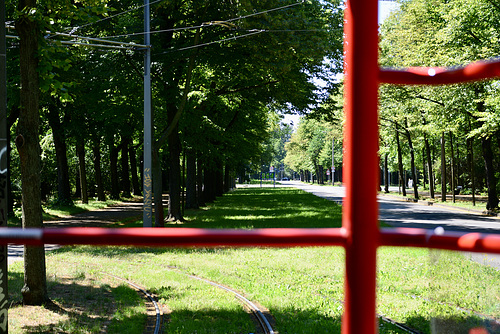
{"points": [[174, 200], [209, 185], [191, 200], [125, 184], [199, 182], [412, 162], [386, 173], [491, 182], [136, 186], [429, 166], [96, 149], [219, 179], [400, 162], [113, 166], [34, 291], [158, 188], [452, 183], [470, 160], [63, 184], [443, 169], [80, 151]]}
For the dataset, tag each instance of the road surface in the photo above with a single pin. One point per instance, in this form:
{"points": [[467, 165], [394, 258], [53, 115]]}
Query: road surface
{"points": [[398, 213]]}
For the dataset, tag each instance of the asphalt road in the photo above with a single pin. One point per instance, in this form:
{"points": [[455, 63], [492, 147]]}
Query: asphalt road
{"points": [[399, 213]]}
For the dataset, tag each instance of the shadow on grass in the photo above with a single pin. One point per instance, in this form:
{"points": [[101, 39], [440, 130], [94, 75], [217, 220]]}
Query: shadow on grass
{"points": [[77, 305], [266, 208], [220, 321]]}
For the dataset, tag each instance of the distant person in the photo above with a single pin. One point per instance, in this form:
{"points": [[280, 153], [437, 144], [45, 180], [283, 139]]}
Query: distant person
{"points": [[410, 183]]}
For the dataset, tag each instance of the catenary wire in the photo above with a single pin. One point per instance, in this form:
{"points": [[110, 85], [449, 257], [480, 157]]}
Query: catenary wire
{"points": [[206, 24], [73, 29], [209, 43]]}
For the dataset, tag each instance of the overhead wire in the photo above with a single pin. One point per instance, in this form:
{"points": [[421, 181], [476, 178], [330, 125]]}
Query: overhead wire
{"points": [[208, 23], [73, 29], [132, 45], [210, 43]]}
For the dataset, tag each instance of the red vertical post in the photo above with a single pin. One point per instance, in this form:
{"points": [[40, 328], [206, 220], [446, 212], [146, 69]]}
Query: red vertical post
{"points": [[360, 216]]}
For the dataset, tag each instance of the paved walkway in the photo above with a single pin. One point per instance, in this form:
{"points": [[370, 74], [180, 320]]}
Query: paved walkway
{"points": [[98, 218], [397, 212]]}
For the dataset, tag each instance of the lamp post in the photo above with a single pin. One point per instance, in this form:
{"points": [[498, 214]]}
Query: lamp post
{"points": [[333, 161]]}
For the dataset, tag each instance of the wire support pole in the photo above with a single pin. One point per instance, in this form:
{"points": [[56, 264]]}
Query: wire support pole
{"points": [[360, 211], [3, 171], [147, 172]]}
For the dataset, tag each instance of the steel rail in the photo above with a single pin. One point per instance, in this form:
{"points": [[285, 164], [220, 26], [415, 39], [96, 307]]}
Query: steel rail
{"points": [[148, 295], [264, 323]]}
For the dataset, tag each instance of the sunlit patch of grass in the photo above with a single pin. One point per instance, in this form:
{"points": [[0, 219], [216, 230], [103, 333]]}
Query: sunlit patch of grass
{"points": [[267, 208], [303, 288]]}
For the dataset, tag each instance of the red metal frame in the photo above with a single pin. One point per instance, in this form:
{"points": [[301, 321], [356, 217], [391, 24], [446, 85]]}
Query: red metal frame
{"points": [[359, 235]]}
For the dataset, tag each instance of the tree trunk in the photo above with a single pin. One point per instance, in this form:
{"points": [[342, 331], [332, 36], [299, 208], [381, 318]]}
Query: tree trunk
{"points": [[63, 185], [491, 181], [113, 166], [80, 151], [386, 173], [96, 149], [400, 162], [470, 159], [227, 178], [191, 200], [125, 185], [414, 175], [174, 201], [209, 182], [133, 168], [443, 169], [219, 179], [452, 183], [34, 291], [429, 165], [199, 182], [157, 188]]}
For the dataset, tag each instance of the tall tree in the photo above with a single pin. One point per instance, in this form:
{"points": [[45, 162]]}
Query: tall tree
{"points": [[34, 291]]}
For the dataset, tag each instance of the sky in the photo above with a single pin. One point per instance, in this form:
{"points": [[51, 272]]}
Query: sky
{"points": [[384, 9]]}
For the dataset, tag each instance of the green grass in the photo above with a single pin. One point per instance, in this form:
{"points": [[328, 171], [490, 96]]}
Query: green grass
{"points": [[57, 211], [301, 287], [266, 208]]}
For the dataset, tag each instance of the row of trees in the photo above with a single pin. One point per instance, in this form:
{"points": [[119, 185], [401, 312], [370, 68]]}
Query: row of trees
{"points": [[443, 137], [220, 70], [447, 133]]}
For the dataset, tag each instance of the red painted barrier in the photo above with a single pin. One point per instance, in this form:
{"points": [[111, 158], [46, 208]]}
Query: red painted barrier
{"points": [[270, 237], [360, 234], [440, 76], [360, 208]]}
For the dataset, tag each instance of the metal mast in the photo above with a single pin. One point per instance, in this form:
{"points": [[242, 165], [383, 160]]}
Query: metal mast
{"points": [[3, 170], [147, 176]]}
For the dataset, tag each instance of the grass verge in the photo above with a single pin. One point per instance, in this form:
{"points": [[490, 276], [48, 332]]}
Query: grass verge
{"points": [[301, 287]]}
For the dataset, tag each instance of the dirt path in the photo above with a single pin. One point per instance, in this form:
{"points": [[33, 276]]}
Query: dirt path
{"points": [[105, 217], [100, 218]]}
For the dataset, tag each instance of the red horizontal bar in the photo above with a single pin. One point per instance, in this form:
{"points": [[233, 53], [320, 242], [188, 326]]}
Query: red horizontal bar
{"points": [[441, 76], [470, 242], [269, 237], [176, 237]]}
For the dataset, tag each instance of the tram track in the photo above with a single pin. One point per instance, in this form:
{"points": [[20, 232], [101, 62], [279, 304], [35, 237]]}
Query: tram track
{"points": [[258, 313], [157, 309]]}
